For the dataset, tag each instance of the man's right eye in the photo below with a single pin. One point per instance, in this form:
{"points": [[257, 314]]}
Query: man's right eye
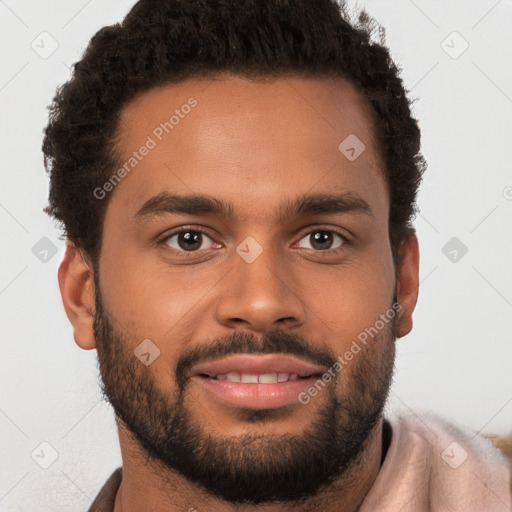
{"points": [[185, 240]]}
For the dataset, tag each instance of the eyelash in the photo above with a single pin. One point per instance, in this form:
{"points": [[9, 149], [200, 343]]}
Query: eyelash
{"points": [[168, 236]]}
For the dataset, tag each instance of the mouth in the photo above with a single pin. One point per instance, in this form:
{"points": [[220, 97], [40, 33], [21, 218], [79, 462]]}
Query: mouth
{"points": [[254, 378], [256, 381]]}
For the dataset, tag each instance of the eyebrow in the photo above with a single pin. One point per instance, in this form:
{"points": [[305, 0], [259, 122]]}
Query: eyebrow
{"points": [[304, 205]]}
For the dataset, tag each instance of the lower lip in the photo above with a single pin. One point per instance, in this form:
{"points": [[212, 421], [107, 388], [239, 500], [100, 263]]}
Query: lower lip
{"points": [[256, 396]]}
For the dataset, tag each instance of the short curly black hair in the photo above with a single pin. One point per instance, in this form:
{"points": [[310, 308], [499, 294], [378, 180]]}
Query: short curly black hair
{"points": [[168, 41]]}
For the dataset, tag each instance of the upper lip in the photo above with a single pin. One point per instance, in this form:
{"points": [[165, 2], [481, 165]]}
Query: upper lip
{"points": [[257, 365]]}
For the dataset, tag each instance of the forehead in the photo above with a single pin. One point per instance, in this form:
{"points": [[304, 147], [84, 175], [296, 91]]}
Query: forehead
{"points": [[235, 138]]}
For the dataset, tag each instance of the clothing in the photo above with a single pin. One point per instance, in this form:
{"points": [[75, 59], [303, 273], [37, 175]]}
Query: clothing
{"points": [[434, 465], [106, 498], [431, 465]]}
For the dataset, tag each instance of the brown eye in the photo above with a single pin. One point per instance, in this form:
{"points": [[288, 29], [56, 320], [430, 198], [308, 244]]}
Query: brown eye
{"points": [[323, 239], [188, 240]]}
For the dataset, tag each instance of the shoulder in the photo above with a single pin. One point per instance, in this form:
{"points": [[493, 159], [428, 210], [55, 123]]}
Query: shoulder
{"points": [[450, 436], [464, 465]]}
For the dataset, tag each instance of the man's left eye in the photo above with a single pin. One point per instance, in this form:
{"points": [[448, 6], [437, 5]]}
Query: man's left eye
{"points": [[321, 237]]}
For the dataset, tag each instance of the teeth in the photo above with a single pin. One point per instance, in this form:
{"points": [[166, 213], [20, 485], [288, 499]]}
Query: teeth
{"points": [[247, 377], [268, 378], [265, 378]]}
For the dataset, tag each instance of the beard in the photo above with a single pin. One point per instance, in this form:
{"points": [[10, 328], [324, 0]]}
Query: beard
{"points": [[253, 468]]}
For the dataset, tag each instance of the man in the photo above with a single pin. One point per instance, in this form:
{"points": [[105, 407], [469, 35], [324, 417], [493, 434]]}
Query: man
{"points": [[236, 180]]}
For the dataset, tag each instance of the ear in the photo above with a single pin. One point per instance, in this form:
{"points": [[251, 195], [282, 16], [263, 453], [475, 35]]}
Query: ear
{"points": [[408, 282], [76, 283]]}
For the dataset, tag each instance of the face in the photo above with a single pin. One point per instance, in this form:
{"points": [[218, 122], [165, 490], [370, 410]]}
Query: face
{"points": [[272, 275]]}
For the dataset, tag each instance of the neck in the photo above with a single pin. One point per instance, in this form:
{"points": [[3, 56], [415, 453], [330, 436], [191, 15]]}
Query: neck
{"points": [[145, 486]]}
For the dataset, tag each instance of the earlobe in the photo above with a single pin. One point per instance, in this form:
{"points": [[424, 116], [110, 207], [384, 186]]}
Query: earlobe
{"points": [[76, 283], [408, 283]]}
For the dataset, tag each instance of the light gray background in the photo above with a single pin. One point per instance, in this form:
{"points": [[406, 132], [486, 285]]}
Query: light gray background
{"points": [[457, 359]]}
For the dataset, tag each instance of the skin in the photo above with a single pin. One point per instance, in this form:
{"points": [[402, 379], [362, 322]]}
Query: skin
{"points": [[254, 145]]}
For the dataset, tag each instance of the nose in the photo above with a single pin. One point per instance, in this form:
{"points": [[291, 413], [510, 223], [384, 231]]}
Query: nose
{"points": [[261, 295]]}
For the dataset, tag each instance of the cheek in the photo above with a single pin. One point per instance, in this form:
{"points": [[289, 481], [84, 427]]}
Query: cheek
{"points": [[150, 299], [347, 300]]}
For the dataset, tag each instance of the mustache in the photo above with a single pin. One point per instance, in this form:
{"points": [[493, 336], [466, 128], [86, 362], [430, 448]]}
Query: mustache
{"points": [[244, 342]]}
